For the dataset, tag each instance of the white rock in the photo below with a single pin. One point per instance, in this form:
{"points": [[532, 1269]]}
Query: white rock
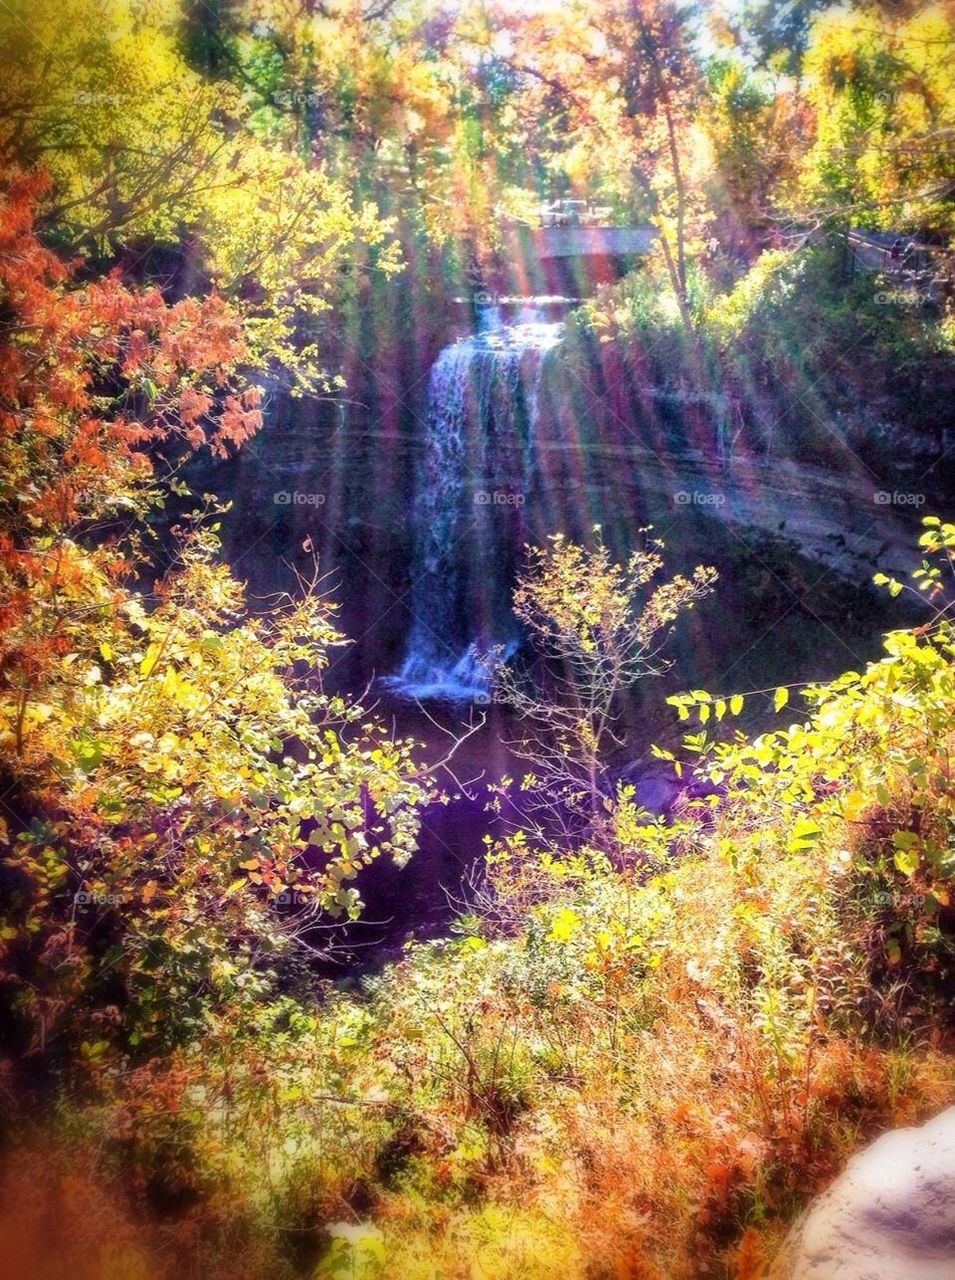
{"points": [[889, 1216]]}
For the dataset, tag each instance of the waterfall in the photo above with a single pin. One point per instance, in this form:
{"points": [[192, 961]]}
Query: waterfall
{"points": [[474, 475]]}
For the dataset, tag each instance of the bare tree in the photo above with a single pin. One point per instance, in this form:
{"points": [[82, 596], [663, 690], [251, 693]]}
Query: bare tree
{"points": [[598, 627]]}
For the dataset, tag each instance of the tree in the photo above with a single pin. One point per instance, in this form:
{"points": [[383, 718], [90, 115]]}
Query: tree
{"points": [[626, 74], [102, 388], [758, 133], [597, 627], [143, 151], [882, 88], [184, 803], [777, 34]]}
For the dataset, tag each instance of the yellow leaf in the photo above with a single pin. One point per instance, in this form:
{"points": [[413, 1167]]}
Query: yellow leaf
{"points": [[150, 660], [853, 804], [565, 923]]}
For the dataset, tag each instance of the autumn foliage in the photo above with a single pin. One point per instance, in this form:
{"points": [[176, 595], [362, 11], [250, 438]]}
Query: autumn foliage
{"points": [[175, 773], [103, 390], [645, 1041]]}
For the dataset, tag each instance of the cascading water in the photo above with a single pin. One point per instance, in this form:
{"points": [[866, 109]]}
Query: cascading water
{"points": [[475, 473]]}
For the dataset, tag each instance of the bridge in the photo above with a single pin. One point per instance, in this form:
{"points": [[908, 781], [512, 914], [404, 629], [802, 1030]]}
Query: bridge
{"points": [[572, 255], [919, 272], [591, 241]]}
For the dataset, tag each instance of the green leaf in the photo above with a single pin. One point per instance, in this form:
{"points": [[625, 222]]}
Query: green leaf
{"points": [[907, 861], [908, 848], [88, 752], [780, 698]]}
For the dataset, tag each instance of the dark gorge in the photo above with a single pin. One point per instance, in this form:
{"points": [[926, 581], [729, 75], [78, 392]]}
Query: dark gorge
{"points": [[506, 420]]}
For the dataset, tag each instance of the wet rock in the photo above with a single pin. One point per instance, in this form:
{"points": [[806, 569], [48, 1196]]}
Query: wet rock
{"points": [[660, 790]]}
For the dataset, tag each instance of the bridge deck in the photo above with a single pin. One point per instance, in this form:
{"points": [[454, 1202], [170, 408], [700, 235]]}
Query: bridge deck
{"points": [[587, 242]]}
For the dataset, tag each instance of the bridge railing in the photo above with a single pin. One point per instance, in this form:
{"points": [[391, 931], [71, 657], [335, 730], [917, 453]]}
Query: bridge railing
{"points": [[904, 257]]}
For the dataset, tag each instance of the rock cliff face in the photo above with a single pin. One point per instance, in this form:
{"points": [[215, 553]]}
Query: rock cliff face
{"points": [[339, 478], [889, 1216]]}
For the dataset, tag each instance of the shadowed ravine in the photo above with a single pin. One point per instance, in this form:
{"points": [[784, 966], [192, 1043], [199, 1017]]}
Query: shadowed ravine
{"points": [[504, 446]]}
